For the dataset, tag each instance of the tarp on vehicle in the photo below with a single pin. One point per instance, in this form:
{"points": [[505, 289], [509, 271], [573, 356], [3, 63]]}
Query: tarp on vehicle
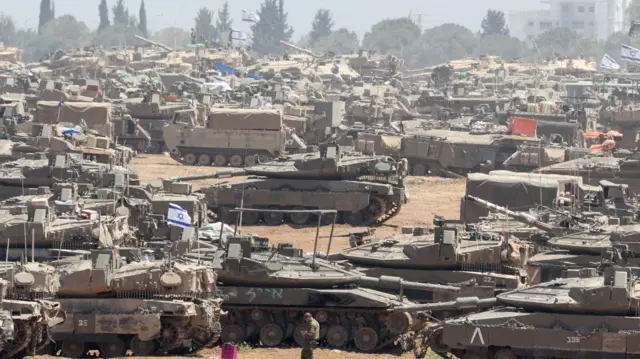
{"points": [[96, 115]]}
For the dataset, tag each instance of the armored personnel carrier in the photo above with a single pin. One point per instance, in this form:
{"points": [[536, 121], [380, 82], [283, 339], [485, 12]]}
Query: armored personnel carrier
{"points": [[365, 189], [28, 311], [267, 291], [584, 315], [481, 264], [118, 301]]}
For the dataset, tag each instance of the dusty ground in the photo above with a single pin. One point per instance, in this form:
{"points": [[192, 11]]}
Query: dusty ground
{"points": [[427, 196]]}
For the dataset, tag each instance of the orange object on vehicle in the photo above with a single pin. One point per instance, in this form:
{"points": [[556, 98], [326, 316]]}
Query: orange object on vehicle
{"points": [[523, 126]]}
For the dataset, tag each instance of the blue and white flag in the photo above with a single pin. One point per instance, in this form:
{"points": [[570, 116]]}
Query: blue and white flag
{"points": [[630, 53], [249, 16], [178, 217], [238, 35], [608, 63]]}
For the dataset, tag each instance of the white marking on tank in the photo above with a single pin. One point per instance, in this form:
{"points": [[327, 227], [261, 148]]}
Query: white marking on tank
{"points": [[478, 333]]}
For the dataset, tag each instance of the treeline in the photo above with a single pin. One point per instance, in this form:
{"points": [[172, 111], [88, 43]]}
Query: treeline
{"points": [[401, 36]]}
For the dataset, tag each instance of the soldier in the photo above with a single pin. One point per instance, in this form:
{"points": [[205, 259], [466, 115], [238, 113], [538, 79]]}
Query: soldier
{"points": [[311, 336]]}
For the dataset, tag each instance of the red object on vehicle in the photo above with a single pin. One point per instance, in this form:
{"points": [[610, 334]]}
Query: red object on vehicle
{"points": [[523, 126], [229, 351]]}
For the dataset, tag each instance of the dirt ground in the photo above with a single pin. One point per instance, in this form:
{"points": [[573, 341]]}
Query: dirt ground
{"points": [[427, 196]]}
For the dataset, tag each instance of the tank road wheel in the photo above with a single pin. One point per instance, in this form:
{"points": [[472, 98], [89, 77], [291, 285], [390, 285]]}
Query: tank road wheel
{"points": [[226, 216], [419, 169], [366, 339], [113, 349], [337, 336], [271, 335], [436, 342], [236, 161], [142, 348], [297, 334], [301, 218], [250, 218], [250, 160], [204, 159], [190, 159], [156, 147], [73, 349], [505, 354], [273, 218], [232, 334], [220, 160], [435, 169], [399, 322]]}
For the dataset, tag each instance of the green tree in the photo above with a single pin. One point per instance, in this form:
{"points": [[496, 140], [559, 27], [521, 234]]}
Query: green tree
{"points": [[7, 30], [392, 35], [504, 46], [142, 19], [223, 24], [103, 10], [172, 36], [441, 44], [64, 32], [118, 36], [23, 38], [120, 13], [204, 24], [494, 23], [322, 25], [46, 14], [341, 41], [271, 29]]}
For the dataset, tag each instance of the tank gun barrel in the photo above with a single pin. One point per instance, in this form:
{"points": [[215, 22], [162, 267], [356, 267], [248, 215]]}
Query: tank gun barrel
{"points": [[299, 49], [219, 174], [390, 282], [143, 39], [520, 217], [458, 304]]}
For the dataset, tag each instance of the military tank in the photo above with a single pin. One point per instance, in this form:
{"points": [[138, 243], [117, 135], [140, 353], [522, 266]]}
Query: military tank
{"points": [[36, 229], [29, 312], [481, 263], [118, 301], [587, 314], [267, 291], [364, 189], [570, 240], [40, 170]]}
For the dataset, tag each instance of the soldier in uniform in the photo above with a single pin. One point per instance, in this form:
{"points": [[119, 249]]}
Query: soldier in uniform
{"points": [[311, 336]]}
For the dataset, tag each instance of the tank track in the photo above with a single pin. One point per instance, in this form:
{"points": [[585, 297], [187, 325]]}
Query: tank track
{"points": [[384, 209], [340, 328], [237, 159]]}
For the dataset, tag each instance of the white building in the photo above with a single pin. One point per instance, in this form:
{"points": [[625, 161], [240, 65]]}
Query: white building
{"points": [[592, 18]]}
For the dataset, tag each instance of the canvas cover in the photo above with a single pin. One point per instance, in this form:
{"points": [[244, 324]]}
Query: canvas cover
{"points": [[245, 119], [515, 190], [96, 115]]}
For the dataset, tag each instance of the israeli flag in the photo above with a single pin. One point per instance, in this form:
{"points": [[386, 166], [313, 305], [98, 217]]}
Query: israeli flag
{"points": [[238, 35], [178, 217], [249, 16], [630, 53], [608, 63]]}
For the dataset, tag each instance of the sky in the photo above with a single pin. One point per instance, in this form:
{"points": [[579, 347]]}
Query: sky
{"points": [[356, 15]]}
